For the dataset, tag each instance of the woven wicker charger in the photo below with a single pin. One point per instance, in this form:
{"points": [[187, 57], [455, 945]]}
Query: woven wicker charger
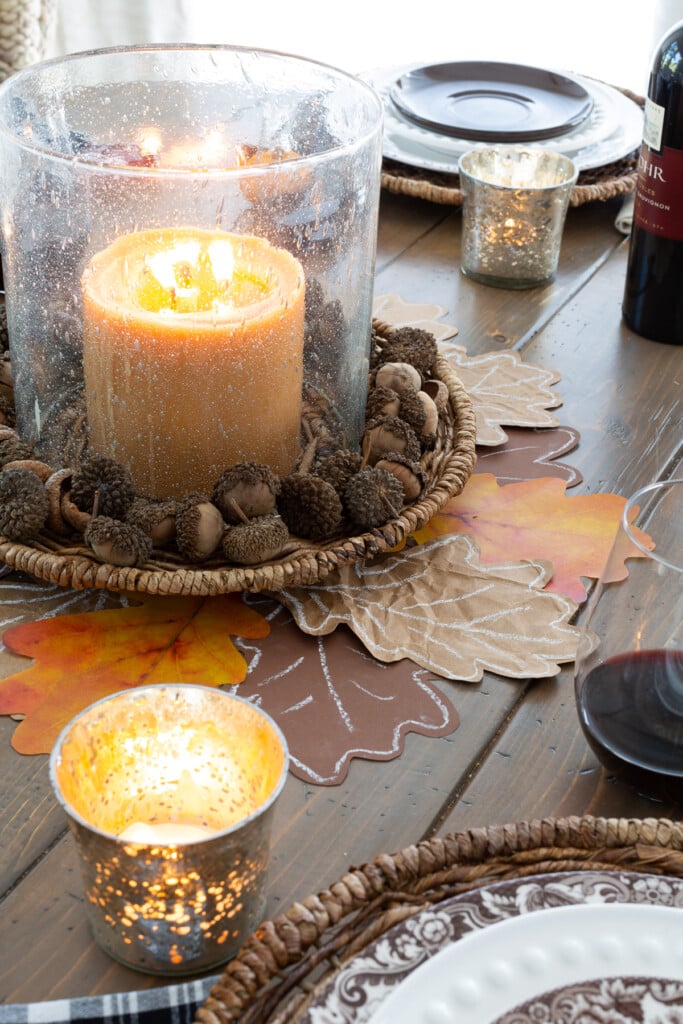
{"points": [[615, 179], [289, 959], [447, 468]]}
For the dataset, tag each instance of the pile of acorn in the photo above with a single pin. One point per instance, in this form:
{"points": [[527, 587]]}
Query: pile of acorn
{"points": [[252, 515]]}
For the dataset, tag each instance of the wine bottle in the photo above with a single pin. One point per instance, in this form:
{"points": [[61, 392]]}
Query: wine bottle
{"points": [[653, 296]]}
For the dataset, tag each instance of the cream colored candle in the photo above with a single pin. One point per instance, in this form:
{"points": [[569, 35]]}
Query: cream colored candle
{"points": [[193, 355]]}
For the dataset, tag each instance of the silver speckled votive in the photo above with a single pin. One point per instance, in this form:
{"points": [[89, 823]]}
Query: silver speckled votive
{"points": [[169, 791], [514, 206]]}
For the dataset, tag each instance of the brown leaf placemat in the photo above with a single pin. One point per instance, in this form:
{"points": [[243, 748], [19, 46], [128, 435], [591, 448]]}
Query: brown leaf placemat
{"points": [[531, 453], [333, 701]]}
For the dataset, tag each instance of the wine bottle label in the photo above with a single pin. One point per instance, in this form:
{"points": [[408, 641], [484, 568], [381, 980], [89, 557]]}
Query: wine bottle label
{"points": [[653, 124], [659, 192]]}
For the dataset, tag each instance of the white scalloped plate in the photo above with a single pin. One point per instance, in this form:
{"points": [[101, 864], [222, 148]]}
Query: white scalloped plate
{"points": [[544, 957], [612, 131]]}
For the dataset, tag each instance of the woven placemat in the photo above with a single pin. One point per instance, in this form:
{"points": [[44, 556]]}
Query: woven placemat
{"points": [[615, 179], [446, 466], [287, 958]]}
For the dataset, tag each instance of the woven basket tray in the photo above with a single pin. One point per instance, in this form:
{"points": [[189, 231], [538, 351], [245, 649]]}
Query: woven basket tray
{"points": [[447, 468], [288, 959]]}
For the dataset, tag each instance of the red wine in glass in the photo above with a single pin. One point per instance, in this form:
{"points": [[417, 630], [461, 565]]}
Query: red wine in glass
{"points": [[631, 711]]}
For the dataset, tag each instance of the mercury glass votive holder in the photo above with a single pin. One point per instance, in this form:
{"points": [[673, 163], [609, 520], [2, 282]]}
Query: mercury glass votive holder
{"points": [[514, 207], [188, 239], [170, 791]]}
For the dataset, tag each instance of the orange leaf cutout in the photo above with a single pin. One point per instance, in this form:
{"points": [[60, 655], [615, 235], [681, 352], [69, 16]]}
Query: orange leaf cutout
{"points": [[84, 657], [535, 519]]}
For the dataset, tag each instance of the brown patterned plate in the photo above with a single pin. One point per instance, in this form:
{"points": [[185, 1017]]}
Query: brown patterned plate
{"points": [[364, 986]]}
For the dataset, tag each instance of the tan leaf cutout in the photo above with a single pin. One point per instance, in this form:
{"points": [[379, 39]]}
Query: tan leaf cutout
{"points": [[504, 390], [436, 605], [395, 310]]}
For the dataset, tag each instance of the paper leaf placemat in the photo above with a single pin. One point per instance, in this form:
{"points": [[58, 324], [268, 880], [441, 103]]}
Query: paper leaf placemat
{"points": [[333, 701], [437, 605], [425, 315], [535, 519], [528, 454], [81, 658], [504, 391]]}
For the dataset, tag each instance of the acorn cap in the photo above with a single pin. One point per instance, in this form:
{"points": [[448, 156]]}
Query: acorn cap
{"points": [[309, 506], [7, 414], [103, 487], [411, 345], [155, 518], [338, 468], [13, 449], [24, 504], [412, 410], [389, 434], [199, 527], [249, 488], [373, 497], [116, 542], [382, 401], [407, 471], [259, 540]]}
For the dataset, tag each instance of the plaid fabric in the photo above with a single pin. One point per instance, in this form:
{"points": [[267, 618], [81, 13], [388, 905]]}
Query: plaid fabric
{"points": [[173, 1005]]}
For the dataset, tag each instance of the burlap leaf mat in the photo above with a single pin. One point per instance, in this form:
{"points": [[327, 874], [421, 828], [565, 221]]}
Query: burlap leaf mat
{"points": [[287, 958]]}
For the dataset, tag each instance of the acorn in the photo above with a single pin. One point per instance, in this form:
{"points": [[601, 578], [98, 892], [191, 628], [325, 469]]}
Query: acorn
{"points": [[411, 345], [103, 487], [310, 506], [199, 527], [257, 540], [117, 543], [247, 487], [13, 449], [397, 377], [412, 410], [155, 518], [373, 497], [7, 414], [338, 468], [408, 472], [430, 424], [382, 401], [389, 434], [24, 504]]}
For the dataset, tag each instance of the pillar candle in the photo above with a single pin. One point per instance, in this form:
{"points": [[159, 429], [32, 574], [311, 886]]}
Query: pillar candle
{"points": [[193, 355]]}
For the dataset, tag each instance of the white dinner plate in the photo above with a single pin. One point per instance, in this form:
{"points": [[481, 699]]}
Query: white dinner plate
{"points": [[524, 968], [361, 986], [612, 131]]}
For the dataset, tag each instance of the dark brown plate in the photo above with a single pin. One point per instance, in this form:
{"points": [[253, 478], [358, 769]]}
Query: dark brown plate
{"points": [[490, 102]]}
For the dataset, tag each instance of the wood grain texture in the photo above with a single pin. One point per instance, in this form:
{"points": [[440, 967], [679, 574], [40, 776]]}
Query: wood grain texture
{"points": [[518, 752]]}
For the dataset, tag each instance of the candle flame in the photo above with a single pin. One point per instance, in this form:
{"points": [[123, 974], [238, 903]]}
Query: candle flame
{"points": [[149, 142], [193, 277]]}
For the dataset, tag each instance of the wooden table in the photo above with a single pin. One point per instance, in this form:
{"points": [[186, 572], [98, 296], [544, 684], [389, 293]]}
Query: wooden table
{"points": [[519, 752]]}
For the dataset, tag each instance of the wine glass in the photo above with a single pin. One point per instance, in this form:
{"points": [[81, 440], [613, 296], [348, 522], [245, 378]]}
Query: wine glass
{"points": [[629, 665]]}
